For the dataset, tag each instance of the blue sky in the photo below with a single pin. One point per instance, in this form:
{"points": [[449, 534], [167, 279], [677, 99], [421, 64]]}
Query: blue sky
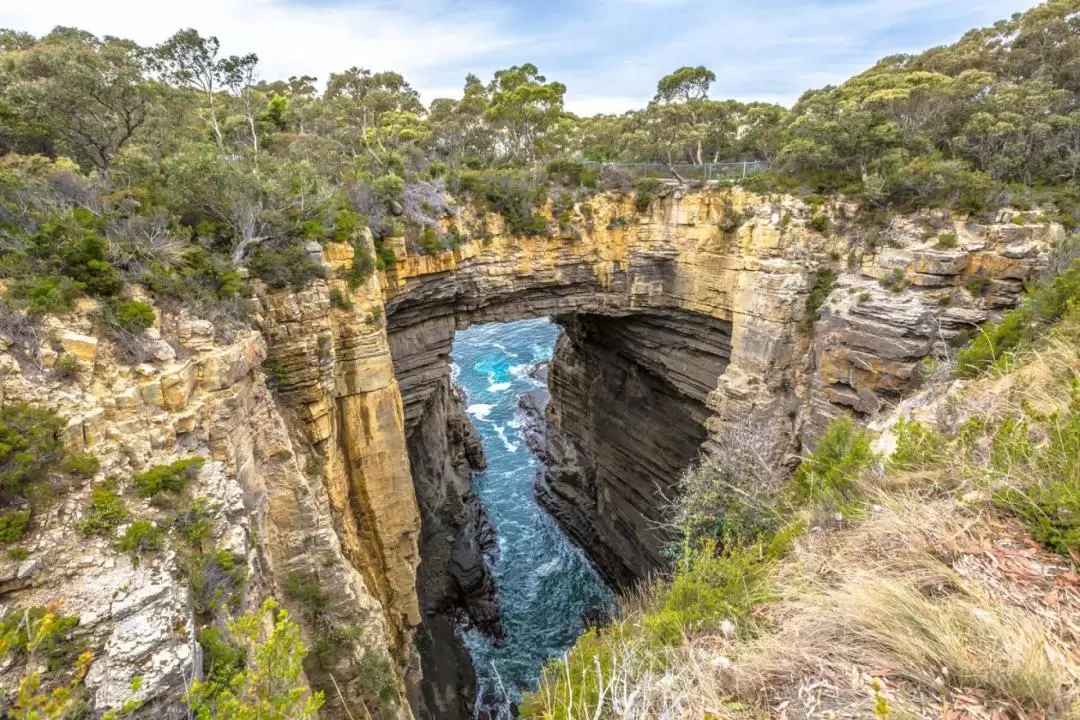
{"points": [[609, 53]]}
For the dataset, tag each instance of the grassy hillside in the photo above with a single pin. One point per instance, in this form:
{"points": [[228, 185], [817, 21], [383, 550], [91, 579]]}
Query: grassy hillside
{"points": [[923, 568]]}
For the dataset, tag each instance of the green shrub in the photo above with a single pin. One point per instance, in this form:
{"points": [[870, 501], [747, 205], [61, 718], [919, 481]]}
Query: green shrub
{"points": [[46, 294], [280, 267], [917, 446], [222, 658], [106, 512], [81, 465], [389, 189], [30, 449], [896, 281], [821, 284], [977, 285], [828, 473], [170, 478], [708, 588], [363, 265], [66, 367], [820, 223], [946, 241], [132, 316], [571, 174], [1043, 305], [268, 684], [57, 646], [730, 220], [13, 526], [340, 300], [1051, 513], [643, 200], [429, 241], [312, 230], [192, 523], [346, 224], [217, 580], [377, 681], [17, 554], [141, 536]]}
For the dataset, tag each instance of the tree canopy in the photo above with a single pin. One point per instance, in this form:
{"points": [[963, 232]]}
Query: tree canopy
{"points": [[171, 165]]}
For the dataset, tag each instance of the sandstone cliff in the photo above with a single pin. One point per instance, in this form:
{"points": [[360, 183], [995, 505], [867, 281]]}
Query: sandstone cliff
{"points": [[353, 474]]}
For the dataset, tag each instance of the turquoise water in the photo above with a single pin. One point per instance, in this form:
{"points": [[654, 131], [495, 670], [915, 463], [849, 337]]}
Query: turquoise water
{"points": [[544, 583]]}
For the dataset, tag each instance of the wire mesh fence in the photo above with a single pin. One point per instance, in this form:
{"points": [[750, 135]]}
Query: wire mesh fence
{"points": [[707, 172]]}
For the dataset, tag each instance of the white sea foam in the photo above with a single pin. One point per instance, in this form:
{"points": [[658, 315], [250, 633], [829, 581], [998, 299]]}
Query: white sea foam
{"points": [[501, 432], [479, 411], [498, 387], [521, 371]]}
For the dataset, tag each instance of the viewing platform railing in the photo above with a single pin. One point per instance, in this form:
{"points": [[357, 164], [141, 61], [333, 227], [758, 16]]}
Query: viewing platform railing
{"points": [[707, 172]]}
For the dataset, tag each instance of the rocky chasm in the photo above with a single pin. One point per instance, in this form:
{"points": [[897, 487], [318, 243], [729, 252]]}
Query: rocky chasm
{"points": [[339, 450]]}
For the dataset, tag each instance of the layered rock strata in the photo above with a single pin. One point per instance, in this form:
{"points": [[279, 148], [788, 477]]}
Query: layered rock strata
{"points": [[680, 321]]}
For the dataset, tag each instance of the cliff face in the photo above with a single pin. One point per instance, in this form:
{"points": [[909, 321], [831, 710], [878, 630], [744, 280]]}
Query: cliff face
{"points": [[271, 503], [354, 473], [693, 316]]}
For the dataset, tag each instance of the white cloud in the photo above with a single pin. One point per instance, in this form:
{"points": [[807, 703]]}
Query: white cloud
{"points": [[609, 53], [415, 38]]}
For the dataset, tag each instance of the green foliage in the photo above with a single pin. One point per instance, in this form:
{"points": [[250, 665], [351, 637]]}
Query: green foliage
{"points": [[946, 241], [390, 189], [571, 174], [66, 367], [363, 265], [141, 536], [41, 632], [917, 446], [820, 223], [515, 195], [30, 447], [217, 579], [13, 526], [340, 300], [222, 659], [708, 588], [16, 554], [105, 512], [821, 284], [828, 473], [268, 685], [895, 281], [377, 679], [170, 478], [132, 316], [46, 294], [643, 196], [1044, 304], [285, 265], [1051, 513], [1043, 477], [977, 285], [82, 465], [429, 241]]}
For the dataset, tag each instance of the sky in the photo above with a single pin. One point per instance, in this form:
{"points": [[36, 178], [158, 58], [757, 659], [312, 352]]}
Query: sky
{"points": [[609, 53]]}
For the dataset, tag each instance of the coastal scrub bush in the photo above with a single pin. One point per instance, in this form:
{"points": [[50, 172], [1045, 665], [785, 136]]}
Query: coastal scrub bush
{"points": [[171, 478], [821, 284], [131, 316], [1045, 303], [268, 684], [828, 473], [105, 513], [139, 537]]}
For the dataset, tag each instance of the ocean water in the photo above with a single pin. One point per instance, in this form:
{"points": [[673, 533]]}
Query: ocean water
{"points": [[544, 582]]}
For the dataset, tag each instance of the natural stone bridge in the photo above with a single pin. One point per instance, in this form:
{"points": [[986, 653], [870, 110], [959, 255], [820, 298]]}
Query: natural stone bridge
{"points": [[675, 330]]}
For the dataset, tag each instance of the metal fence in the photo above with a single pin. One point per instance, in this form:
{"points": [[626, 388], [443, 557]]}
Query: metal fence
{"points": [[707, 172]]}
